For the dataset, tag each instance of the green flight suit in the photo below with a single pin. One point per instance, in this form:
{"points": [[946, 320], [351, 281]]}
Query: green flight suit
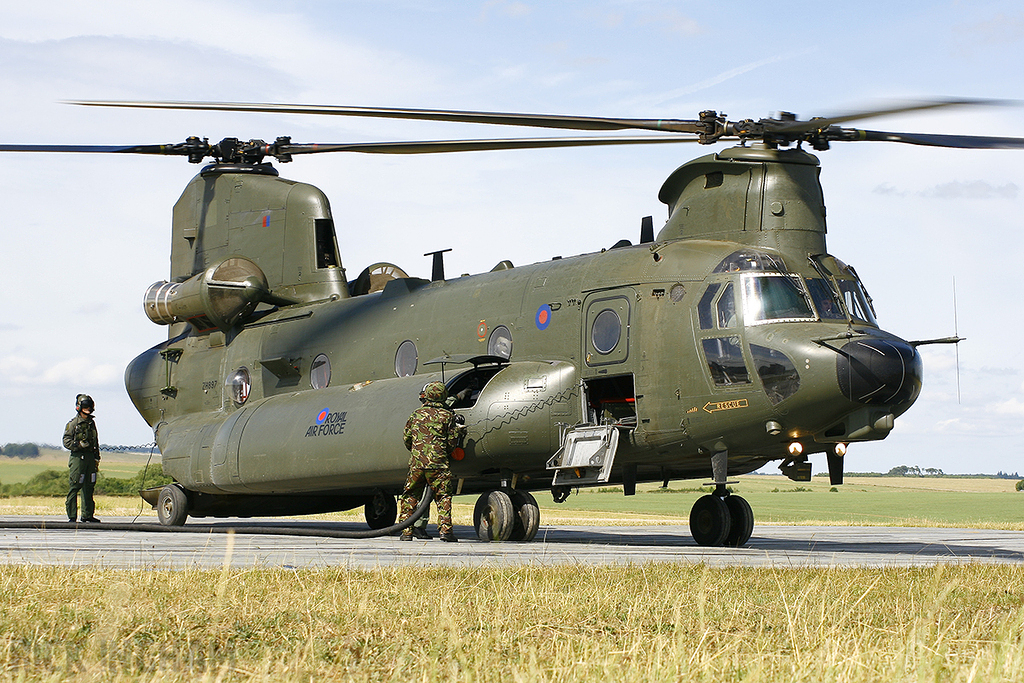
{"points": [[81, 438]]}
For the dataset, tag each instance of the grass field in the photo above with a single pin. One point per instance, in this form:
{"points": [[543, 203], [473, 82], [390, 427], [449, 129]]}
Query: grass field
{"points": [[650, 622], [654, 622], [120, 465]]}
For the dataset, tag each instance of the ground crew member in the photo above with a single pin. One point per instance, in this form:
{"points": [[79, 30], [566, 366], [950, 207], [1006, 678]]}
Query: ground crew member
{"points": [[81, 439], [430, 434]]}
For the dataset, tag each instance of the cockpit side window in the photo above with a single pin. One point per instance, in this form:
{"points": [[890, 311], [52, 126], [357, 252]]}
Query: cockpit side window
{"points": [[856, 301], [727, 308], [825, 299], [704, 314], [725, 361]]}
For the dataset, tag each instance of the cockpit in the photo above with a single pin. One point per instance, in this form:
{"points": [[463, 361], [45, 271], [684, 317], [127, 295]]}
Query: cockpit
{"points": [[766, 291], [750, 288]]}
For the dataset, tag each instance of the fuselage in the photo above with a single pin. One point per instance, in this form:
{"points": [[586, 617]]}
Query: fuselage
{"points": [[690, 346]]}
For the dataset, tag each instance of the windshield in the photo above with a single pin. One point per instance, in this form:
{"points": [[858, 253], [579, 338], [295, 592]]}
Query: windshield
{"points": [[774, 297]]}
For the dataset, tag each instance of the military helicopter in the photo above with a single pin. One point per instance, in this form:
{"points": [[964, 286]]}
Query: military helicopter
{"points": [[728, 340]]}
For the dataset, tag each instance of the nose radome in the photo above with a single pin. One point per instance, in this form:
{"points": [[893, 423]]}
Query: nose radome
{"points": [[879, 372]]}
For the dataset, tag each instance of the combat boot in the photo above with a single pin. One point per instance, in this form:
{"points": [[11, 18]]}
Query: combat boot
{"points": [[420, 532], [449, 537]]}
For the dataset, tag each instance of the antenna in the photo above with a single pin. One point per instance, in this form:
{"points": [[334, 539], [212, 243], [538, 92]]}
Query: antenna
{"points": [[956, 347]]}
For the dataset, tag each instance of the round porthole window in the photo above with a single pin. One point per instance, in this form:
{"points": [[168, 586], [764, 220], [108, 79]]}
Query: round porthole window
{"points": [[406, 359], [320, 372], [606, 330], [239, 385], [500, 342]]}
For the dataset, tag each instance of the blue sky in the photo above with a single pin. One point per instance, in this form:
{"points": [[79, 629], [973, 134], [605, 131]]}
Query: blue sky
{"points": [[85, 236]]}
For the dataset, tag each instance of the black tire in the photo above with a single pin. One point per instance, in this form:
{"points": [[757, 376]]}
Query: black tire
{"points": [[493, 516], [741, 521], [527, 516], [172, 506], [381, 511], [709, 521]]}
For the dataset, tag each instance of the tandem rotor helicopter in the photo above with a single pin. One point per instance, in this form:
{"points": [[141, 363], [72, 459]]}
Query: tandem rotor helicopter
{"points": [[729, 339]]}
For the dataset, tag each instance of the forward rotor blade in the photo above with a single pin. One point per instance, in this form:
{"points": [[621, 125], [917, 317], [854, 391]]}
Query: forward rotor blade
{"points": [[931, 139], [438, 146], [496, 118], [902, 108], [97, 149]]}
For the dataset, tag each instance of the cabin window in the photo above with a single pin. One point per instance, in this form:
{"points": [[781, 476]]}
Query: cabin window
{"points": [[320, 372], [778, 374], [500, 342], [326, 244], [406, 359], [774, 297], [725, 360], [239, 384], [606, 331]]}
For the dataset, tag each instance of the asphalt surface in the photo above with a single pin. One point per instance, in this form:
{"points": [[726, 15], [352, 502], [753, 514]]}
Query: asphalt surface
{"points": [[208, 546]]}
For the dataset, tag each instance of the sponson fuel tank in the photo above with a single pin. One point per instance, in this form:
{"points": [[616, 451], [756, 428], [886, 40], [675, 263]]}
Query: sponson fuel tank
{"points": [[350, 436]]}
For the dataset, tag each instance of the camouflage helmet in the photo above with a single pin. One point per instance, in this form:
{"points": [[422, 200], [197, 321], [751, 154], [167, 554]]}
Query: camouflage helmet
{"points": [[84, 402], [434, 392]]}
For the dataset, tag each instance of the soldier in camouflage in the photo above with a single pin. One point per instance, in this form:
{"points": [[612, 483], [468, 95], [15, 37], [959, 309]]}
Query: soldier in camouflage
{"points": [[81, 438], [430, 434]]}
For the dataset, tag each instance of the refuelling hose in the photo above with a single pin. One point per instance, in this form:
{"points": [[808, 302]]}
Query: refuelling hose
{"points": [[420, 510]]}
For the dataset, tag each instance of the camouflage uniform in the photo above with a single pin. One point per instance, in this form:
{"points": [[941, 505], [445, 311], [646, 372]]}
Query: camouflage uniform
{"points": [[81, 438], [431, 434]]}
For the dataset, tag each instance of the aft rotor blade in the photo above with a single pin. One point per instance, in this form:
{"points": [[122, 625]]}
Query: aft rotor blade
{"points": [[496, 118], [930, 139], [901, 108], [439, 146]]}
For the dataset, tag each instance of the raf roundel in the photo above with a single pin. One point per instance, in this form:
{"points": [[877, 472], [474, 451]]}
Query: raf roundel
{"points": [[321, 417], [543, 318]]}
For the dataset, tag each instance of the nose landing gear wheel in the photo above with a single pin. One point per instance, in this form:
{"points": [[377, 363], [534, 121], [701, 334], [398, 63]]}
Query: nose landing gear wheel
{"points": [[494, 516], [172, 506], [709, 521], [527, 516], [382, 511]]}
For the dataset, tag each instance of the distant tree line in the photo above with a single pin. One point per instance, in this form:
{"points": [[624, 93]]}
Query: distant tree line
{"points": [[20, 450], [55, 483], [917, 471]]}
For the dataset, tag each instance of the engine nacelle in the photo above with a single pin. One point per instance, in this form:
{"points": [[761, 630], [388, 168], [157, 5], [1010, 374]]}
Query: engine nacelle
{"points": [[220, 296]]}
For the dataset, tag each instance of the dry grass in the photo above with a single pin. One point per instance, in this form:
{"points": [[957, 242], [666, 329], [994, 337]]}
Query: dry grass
{"points": [[640, 623]]}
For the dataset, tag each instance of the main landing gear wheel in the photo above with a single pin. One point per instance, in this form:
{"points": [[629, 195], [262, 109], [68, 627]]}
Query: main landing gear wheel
{"points": [[527, 516], [741, 521], [382, 511], [717, 521], [709, 521], [172, 506], [494, 516]]}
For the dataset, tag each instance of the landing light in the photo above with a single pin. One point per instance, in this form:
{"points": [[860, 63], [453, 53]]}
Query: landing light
{"points": [[796, 448], [840, 449]]}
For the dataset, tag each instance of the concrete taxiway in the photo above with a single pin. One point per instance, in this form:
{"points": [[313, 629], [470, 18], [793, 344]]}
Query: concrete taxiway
{"points": [[781, 546]]}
